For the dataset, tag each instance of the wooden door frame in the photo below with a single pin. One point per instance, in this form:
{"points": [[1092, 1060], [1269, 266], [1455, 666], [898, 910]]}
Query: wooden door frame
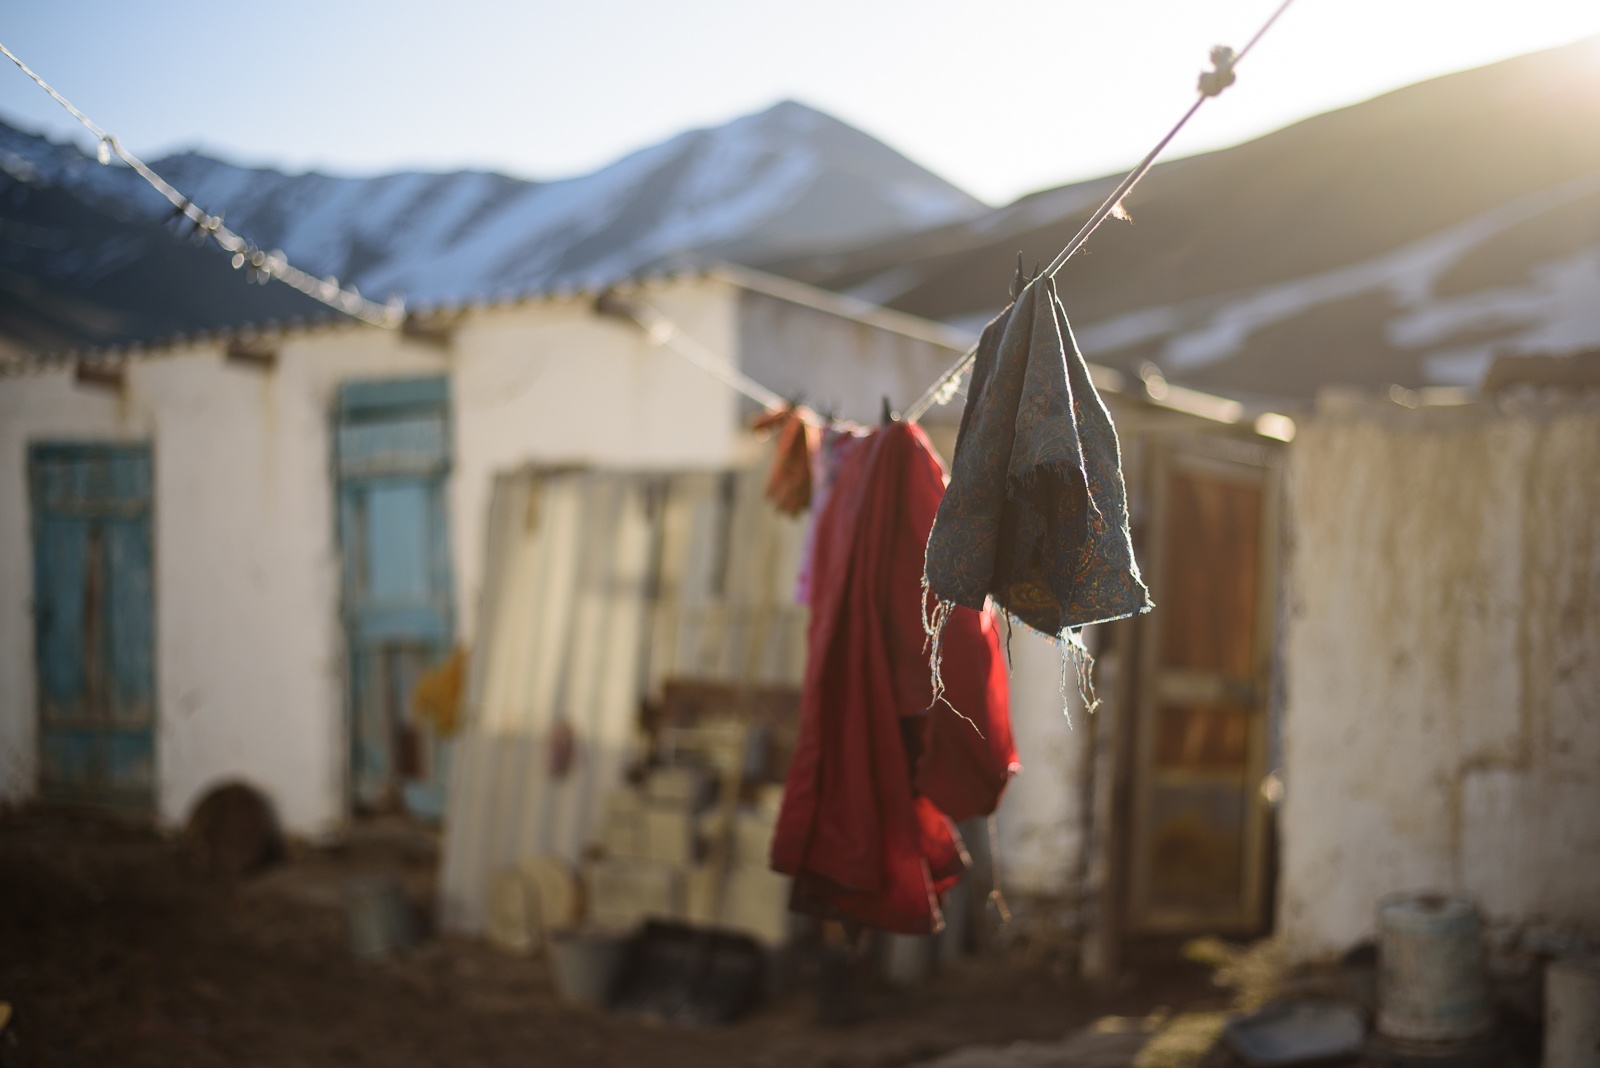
{"points": [[377, 400], [146, 806], [1217, 453]]}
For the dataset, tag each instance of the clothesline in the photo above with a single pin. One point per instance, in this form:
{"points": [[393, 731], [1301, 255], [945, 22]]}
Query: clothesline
{"points": [[1212, 83], [262, 265], [662, 331]]}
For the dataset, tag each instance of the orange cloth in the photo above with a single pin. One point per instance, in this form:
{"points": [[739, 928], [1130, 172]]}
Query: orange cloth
{"points": [[789, 483]]}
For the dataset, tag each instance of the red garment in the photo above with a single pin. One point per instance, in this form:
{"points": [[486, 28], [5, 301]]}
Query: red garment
{"points": [[859, 841], [965, 765]]}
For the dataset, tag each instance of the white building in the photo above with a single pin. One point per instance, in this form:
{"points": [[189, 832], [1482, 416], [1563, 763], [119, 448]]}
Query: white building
{"points": [[228, 558]]}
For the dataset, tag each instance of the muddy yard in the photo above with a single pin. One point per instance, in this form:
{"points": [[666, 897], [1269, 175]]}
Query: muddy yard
{"points": [[115, 950]]}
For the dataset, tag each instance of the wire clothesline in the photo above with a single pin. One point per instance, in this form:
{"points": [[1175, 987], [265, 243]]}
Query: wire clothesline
{"points": [[660, 329], [1212, 83], [263, 265]]}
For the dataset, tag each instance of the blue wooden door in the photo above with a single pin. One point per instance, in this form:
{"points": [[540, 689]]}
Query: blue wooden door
{"points": [[94, 624], [393, 457]]}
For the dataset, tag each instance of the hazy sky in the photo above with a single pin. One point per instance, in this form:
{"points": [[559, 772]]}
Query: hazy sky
{"points": [[1001, 97]]}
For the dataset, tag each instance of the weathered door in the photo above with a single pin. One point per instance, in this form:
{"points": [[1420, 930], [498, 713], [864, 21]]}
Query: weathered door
{"points": [[1197, 856], [393, 457], [94, 624]]}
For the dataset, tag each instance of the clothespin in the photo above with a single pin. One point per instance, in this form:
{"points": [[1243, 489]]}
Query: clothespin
{"points": [[1020, 281], [1213, 82]]}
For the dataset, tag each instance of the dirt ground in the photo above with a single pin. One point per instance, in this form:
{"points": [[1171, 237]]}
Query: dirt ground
{"points": [[114, 950]]}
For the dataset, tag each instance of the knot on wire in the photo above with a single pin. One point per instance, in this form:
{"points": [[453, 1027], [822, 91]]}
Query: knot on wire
{"points": [[1213, 82]]}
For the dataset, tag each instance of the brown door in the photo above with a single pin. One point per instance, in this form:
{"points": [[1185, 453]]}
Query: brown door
{"points": [[1197, 856]]}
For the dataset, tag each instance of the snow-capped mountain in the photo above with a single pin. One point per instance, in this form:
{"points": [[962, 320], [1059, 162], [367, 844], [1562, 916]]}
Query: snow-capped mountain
{"points": [[785, 181], [1411, 239], [87, 270]]}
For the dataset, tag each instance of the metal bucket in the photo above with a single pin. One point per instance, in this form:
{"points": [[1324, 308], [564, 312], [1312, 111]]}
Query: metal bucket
{"points": [[1431, 984], [1572, 1014]]}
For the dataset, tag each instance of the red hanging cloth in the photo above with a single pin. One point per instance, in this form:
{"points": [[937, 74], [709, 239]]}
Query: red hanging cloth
{"points": [[862, 843]]}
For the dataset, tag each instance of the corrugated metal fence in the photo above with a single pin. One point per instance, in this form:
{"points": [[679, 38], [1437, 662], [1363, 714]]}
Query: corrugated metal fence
{"points": [[599, 587]]}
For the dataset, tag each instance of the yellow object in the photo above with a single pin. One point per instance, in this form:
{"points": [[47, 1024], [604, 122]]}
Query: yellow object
{"points": [[437, 697], [1183, 1042]]}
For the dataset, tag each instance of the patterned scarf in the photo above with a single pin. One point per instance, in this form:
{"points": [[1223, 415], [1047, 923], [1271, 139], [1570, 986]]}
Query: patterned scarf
{"points": [[1036, 515]]}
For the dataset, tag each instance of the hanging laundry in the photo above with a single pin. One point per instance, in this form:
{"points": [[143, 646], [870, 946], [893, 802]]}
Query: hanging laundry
{"points": [[862, 842], [789, 483], [968, 754], [1036, 515], [839, 440]]}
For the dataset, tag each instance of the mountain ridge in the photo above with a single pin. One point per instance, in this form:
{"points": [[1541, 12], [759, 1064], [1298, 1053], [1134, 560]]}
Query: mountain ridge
{"points": [[782, 181], [1408, 239]]}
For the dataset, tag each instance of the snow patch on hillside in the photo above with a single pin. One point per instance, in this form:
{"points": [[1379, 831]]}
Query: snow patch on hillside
{"points": [[450, 237], [1555, 311]]}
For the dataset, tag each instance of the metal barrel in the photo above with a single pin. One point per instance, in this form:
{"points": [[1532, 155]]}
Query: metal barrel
{"points": [[1572, 1013], [1431, 983]]}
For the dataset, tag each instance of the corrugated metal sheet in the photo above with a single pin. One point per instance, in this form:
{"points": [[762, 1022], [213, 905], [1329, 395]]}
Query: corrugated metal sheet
{"points": [[600, 587]]}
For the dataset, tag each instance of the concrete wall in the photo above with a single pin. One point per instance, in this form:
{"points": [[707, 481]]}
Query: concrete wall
{"points": [[1442, 726], [249, 655]]}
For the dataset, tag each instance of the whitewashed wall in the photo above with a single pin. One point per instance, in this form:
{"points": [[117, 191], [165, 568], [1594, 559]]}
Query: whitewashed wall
{"points": [[1442, 727], [1041, 817], [553, 383], [249, 656], [248, 652]]}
